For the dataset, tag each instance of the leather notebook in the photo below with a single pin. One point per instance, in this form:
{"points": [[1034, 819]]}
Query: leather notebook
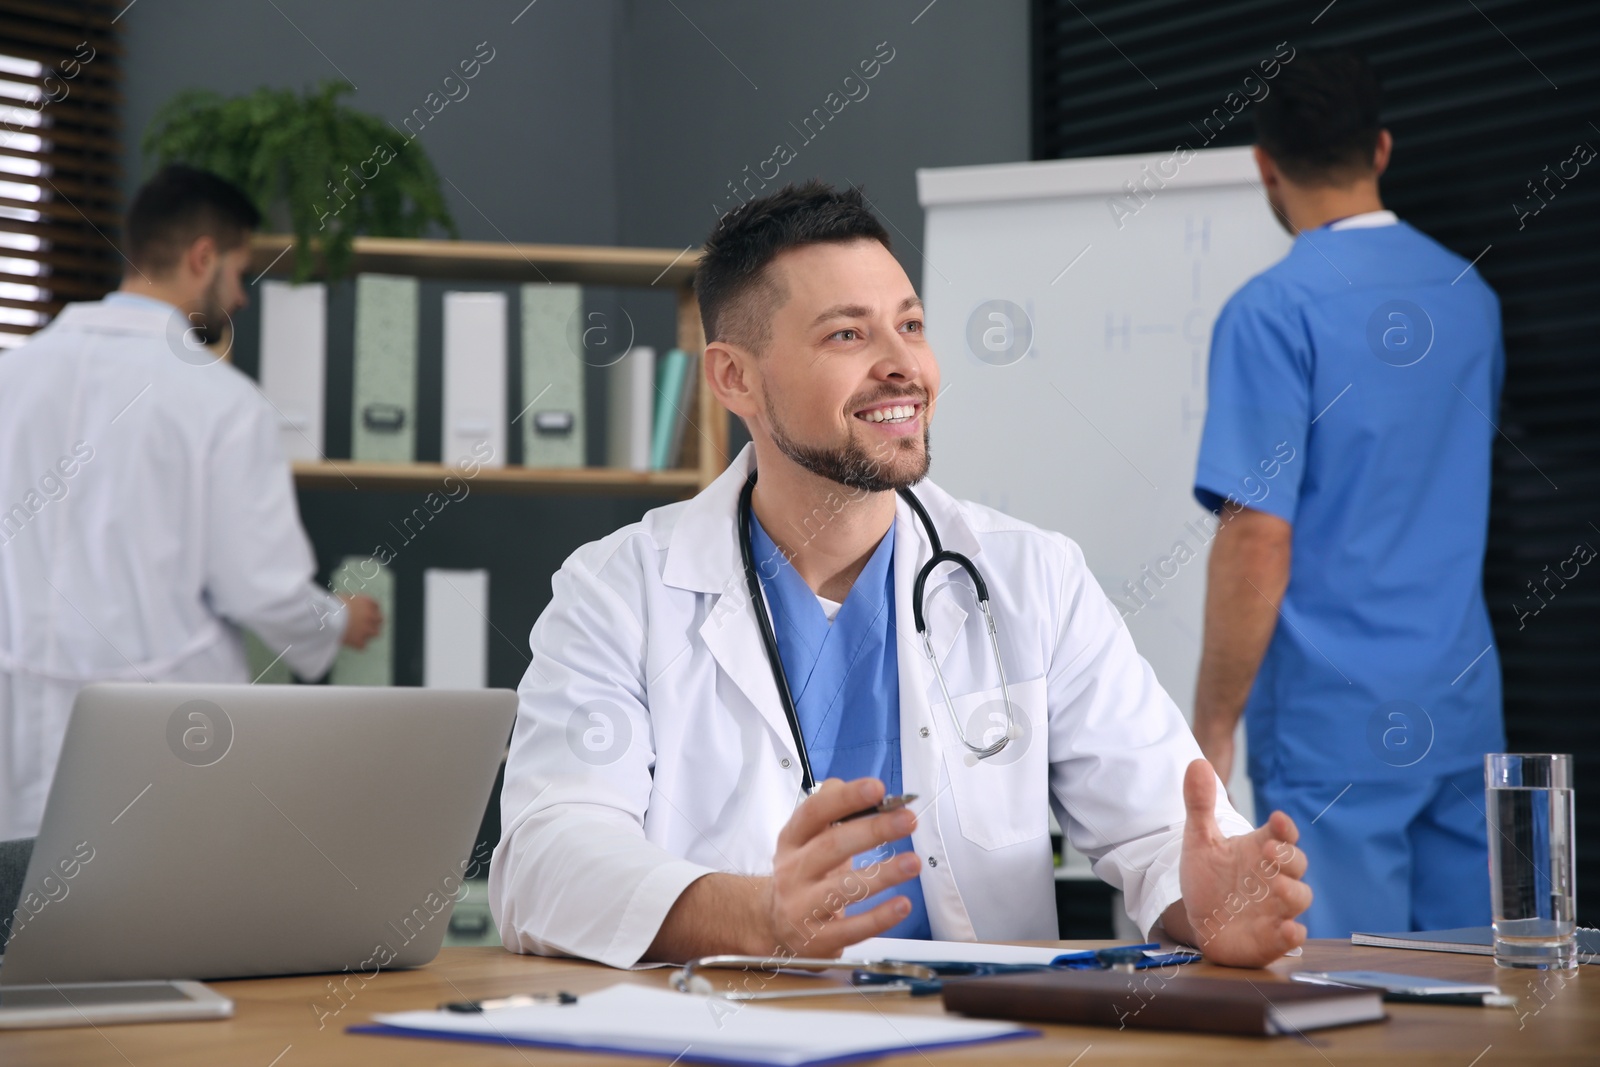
{"points": [[1149, 999]]}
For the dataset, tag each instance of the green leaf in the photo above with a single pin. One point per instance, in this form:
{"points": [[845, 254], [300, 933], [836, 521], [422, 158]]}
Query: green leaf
{"points": [[309, 159]]}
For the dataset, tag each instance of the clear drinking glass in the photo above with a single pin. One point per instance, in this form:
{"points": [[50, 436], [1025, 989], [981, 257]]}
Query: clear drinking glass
{"points": [[1532, 874]]}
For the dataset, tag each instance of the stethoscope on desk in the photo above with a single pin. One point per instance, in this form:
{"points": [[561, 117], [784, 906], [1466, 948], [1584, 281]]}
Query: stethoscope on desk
{"points": [[919, 979], [769, 640]]}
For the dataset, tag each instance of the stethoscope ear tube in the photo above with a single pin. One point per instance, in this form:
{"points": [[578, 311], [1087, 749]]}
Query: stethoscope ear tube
{"points": [[941, 556]]}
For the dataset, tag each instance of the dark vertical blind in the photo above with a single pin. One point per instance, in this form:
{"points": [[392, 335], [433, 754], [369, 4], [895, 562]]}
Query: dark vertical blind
{"points": [[59, 145], [1494, 106]]}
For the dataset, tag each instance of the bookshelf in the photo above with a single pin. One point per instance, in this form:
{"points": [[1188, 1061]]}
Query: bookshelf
{"points": [[350, 474], [705, 446]]}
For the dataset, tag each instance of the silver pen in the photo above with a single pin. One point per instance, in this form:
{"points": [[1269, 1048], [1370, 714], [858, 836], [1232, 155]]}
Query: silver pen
{"points": [[515, 1000]]}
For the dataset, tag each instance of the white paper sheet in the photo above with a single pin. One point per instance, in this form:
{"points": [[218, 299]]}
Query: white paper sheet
{"points": [[455, 629], [293, 357], [914, 951], [634, 1018]]}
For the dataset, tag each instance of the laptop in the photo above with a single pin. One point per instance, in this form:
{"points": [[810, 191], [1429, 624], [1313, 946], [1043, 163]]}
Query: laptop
{"points": [[208, 831]]}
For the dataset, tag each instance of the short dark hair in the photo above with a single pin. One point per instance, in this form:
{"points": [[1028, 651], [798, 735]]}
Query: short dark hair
{"points": [[737, 296], [1320, 123], [177, 207]]}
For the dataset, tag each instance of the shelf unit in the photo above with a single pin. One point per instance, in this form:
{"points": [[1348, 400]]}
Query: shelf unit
{"points": [[705, 447]]}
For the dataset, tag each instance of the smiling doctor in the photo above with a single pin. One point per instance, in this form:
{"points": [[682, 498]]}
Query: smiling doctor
{"points": [[672, 724]]}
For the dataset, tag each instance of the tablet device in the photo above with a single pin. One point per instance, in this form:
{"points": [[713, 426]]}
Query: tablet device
{"points": [[100, 1003], [1415, 985]]}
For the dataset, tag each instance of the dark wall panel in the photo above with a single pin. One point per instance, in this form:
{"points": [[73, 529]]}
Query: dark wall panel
{"points": [[1488, 102]]}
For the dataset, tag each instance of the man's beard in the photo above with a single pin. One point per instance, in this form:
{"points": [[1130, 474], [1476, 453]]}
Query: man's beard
{"points": [[209, 324], [850, 464]]}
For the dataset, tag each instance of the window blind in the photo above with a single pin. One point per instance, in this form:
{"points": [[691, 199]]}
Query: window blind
{"points": [[60, 146]]}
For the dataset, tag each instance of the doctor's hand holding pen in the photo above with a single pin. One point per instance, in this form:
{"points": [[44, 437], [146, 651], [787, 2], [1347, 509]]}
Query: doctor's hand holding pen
{"points": [[813, 872], [799, 910], [363, 621]]}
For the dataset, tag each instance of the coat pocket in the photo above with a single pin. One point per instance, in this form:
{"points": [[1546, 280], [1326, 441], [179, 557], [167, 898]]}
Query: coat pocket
{"points": [[1003, 799]]}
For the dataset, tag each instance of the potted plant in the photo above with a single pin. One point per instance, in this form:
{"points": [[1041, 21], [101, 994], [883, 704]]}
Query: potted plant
{"points": [[324, 171]]}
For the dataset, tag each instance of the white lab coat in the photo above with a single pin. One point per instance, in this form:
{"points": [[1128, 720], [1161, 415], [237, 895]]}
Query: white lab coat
{"points": [[650, 746], [146, 512]]}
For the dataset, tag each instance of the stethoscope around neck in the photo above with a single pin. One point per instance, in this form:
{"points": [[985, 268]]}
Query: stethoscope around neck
{"points": [[769, 640]]}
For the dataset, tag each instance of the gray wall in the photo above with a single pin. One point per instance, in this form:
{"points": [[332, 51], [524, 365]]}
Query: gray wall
{"points": [[531, 149], [622, 121], [709, 90], [597, 122]]}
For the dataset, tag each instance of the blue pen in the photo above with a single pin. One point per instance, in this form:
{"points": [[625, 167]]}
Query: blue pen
{"points": [[1122, 957]]}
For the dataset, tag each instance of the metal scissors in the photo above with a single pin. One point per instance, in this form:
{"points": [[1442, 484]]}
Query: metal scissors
{"points": [[887, 976]]}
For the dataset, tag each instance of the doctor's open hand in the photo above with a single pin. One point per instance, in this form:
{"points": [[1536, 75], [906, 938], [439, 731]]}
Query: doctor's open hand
{"points": [[363, 620], [1240, 894], [814, 879]]}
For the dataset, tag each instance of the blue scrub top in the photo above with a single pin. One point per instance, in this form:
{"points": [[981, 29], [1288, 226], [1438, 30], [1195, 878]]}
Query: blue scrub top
{"points": [[845, 681], [1352, 388]]}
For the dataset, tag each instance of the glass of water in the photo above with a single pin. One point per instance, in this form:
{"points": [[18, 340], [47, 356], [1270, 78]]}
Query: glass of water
{"points": [[1532, 874]]}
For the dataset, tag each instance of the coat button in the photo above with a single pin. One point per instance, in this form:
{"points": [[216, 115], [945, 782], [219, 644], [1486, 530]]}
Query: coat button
{"points": [[933, 861], [785, 763], [923, 731]]}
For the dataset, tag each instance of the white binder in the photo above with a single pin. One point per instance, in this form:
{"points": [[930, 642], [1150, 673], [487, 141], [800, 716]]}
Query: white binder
{"points": [[474, 423], [630, 409], [293, 354], [455, 629]]}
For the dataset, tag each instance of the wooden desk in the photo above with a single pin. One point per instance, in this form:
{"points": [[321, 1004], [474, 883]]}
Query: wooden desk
{"points": [[277, 1022]]}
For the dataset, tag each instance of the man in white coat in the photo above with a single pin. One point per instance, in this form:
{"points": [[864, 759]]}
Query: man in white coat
{"points": [[654, 802], [147, 511]]}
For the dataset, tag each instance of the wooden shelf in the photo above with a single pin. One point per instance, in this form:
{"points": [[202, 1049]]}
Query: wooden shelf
{"points": [[705, 447], [349, 474], [497, 261]]}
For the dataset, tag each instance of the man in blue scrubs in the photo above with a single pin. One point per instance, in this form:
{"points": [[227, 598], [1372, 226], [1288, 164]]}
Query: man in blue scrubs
{"points": [[1353, 388]]}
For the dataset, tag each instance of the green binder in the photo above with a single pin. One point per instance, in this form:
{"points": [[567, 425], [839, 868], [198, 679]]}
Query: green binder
{"points": [[384, 422], [373, 665], [551, 415], [266, 664]]}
